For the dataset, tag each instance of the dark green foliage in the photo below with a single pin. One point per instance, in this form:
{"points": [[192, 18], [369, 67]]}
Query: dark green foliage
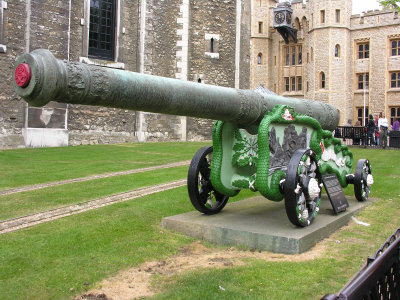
{"points": [[393, 4]]}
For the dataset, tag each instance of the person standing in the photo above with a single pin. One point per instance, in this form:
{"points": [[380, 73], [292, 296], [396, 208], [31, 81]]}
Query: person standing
{"points": [[370, 131], [396, 125], [383, 129], [376, 117]]}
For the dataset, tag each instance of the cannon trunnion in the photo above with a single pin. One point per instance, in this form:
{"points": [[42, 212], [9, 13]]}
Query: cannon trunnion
{"points": [[277, 146]]}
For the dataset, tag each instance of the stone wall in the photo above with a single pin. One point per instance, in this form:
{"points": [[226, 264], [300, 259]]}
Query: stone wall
{"points": [[49, 25], [160, 60], [378, 28], [12, 109], [175, 37], [318, 41], [245, 46], [217, 21], [94, 125]]}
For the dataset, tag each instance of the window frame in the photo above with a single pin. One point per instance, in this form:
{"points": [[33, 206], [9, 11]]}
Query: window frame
{"points": [[259, 59], [322, 15], [394, 80], [360, 113], [363, 52], [395, 115], [299, 80], [322, 78], [396, 49], [337, 15], [293, 55], [287, 56], [287, 84], [260, 27], [293, 83], [337, 50], [293, 52], [98, 52], [300, 54], [361, 82]]}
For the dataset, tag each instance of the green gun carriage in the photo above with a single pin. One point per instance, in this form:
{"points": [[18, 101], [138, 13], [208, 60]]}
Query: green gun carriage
{"points": [[280, 147]]}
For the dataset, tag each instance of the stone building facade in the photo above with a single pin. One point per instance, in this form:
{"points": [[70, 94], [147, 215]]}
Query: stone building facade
{"points": [[201, 41], [342, 59]]}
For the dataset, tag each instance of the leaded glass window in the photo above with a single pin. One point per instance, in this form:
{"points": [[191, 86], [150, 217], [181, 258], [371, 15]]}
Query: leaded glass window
{"points": [[102, 29]]}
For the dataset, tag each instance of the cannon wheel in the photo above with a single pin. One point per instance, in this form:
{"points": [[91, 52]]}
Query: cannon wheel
{"points": [[201, 192], [361, 187], [302, 179]]}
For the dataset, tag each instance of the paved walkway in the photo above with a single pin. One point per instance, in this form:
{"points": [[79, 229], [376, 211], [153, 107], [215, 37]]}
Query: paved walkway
{"points": [[100, 176], [57, 213]]}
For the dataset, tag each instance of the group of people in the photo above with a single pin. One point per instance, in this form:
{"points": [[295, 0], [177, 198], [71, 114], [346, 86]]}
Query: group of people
{"points": [[377, 130]]}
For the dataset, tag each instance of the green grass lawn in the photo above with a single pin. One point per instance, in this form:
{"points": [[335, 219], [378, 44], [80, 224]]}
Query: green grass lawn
{"points": [[20, 204], [46, 261], [31, 166], [306, 280]]}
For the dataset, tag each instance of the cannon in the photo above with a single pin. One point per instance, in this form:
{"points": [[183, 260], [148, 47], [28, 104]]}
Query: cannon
{"points": [[280, 147]]}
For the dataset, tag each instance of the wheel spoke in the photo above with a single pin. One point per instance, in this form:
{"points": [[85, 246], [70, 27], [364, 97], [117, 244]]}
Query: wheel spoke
{"points": [[301, 199], [313, 167], [205, 169], [204, 193], [364, 177], [361, 188], [201, 191]]}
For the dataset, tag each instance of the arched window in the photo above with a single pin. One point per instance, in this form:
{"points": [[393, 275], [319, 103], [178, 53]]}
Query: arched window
{"points": [[304, 24], [297, 24], [259, 58], [337, 50], [322, 80], [199, 80], [212, 45]]}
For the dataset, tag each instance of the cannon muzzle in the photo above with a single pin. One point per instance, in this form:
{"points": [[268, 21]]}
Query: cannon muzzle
{"points": [[41, 78]]}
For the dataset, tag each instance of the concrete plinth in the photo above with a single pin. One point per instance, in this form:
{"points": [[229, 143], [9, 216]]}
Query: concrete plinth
{"points": [[262, 224]]}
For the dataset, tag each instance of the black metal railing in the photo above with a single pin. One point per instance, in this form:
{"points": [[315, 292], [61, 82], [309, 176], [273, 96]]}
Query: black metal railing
{"points": [[379, 278], [359, 136]]}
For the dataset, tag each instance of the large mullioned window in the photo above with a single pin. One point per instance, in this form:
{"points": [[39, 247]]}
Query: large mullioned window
{"points": [[363, 120], [102, 29], [293, 55], [293, 84]]}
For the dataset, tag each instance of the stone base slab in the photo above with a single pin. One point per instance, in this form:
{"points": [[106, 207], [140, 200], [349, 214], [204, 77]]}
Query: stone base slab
{"points": [[261, 224]]}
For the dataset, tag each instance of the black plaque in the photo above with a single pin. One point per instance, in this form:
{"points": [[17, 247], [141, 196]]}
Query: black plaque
{"points": [[335, 193]]}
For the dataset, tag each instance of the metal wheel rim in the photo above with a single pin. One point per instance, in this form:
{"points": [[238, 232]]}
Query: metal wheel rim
{"points": [[201, 192], [300, 207], [361, 188]]}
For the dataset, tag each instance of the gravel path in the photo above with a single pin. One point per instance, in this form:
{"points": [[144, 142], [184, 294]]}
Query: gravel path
{"points": [[106, 175], [50, 215]]}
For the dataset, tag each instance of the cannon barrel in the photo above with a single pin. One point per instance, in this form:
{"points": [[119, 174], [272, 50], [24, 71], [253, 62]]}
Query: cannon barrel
{"points": [[41, 78]]}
